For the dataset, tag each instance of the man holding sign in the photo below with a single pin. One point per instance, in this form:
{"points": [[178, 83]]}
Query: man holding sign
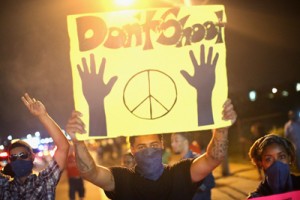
{"points": [[150, 179], [139, 89]]}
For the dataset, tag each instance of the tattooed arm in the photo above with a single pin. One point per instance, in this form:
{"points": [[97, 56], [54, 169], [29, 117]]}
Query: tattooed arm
{"points": [[216, 149], [98, 175]]}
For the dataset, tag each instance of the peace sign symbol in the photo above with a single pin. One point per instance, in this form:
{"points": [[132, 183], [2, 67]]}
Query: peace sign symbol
{"points": [[150, 94]]}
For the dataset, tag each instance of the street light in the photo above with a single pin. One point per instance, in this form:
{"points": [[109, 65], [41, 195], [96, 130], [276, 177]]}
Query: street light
{"points": [[252, 95], [297, 87], [9, 137]]}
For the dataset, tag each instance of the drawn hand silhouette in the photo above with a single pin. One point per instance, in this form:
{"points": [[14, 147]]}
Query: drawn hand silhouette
{"points": [[95, 90], [203, 81]]}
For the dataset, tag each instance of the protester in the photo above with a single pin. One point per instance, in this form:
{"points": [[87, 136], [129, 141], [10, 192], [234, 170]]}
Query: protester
{"points": [[26, 185], [292, 132], [274, 154], [150, 179], [75, 181], [180, 143]]}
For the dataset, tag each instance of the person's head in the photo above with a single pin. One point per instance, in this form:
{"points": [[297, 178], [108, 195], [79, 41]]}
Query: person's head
{"points": [[147, 151], [21, 158], [141, 142], [270, 148], [180, 142], [128, 160]]}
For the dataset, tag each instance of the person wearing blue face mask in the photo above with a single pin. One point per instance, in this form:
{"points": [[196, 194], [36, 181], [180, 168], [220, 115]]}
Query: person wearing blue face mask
{"points": [[274, 154], [26, 185], [150, 179]]}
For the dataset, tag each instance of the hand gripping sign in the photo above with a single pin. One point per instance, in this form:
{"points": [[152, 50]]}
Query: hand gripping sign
{"points": [[149, 71]]}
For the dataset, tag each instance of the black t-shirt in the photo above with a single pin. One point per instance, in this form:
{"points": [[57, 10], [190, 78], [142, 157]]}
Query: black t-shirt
{"points": [[264, 189], [175, 183]]}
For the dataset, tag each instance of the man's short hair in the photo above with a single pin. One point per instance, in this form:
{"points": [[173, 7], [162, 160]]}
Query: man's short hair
{"points": [[132, 138], [20, 143], [186, 135]]}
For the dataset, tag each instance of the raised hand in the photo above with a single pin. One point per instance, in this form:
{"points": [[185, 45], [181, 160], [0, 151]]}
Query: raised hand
{"points": [[35, 107], [203, 81], [229, 112], [75, 125], [93, 86], [95, 90]]}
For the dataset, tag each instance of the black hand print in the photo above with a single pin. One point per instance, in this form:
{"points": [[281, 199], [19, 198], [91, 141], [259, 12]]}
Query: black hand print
{"points": [[95, 90], [203, 81]]}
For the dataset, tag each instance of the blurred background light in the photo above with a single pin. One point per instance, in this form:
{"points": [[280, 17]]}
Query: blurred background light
{"points": [[285, 93], [297, 87], [37, 134], [252, 95], [9, 137]]}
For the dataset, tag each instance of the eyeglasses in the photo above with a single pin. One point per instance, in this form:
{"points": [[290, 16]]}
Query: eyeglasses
{"points": [[21, 155]]}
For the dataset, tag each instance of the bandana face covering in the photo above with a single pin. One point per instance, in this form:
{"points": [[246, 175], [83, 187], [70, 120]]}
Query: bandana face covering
{"points": [[22, 168], [149, 163], [279, 178]]}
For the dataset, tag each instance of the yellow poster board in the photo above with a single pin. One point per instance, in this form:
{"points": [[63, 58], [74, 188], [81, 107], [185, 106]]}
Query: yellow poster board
{"points": [[159, 70]]}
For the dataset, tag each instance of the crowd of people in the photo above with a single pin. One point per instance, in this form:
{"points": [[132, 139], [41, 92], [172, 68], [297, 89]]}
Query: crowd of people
{"points": [[142, 174]]}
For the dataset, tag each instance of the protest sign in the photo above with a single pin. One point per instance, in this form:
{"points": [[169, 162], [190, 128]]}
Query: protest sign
{"points": [[158, 70]]}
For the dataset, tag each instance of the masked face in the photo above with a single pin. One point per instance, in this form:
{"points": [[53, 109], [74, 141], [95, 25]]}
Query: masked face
{"points": [[21, 161], [149, 163], [147, 151], [279, 178], [272, 153]]}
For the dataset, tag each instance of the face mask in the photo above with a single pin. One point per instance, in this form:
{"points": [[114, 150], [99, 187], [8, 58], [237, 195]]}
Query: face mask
{"points": [[22, 168], [149, 163], [279, 178]]}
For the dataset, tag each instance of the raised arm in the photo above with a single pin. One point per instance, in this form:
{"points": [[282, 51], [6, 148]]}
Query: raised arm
{"points": [[37, 109], [216, 149], [98, 175]]}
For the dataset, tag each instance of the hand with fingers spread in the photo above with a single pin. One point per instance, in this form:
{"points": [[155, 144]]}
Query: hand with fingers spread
{"points": [[93, 86], [95, 90], [35, 107], [203, 81]]}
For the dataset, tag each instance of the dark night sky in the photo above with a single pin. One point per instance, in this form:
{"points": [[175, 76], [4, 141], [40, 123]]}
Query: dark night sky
{"points": [[262, 39]]}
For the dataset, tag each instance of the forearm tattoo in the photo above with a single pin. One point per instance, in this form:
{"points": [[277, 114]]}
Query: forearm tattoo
{"points": [[83, 158], [219, 147]]}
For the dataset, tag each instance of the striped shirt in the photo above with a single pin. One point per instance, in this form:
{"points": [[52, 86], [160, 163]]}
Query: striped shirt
{"points": [[35, 187]]}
